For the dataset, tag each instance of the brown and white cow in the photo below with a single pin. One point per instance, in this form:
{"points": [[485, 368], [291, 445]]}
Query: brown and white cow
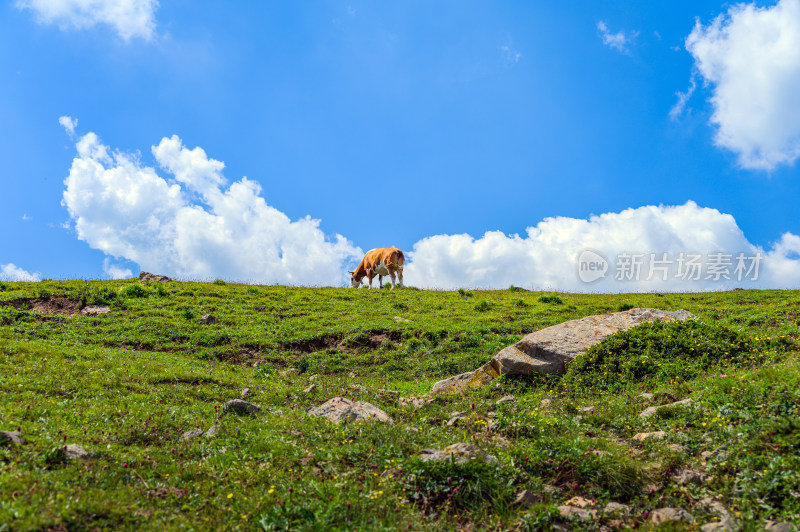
{"points": [[379, 262]]}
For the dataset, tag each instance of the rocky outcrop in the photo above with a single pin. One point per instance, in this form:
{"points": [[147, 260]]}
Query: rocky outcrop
{"points": [[552, 349], [148, 277]]}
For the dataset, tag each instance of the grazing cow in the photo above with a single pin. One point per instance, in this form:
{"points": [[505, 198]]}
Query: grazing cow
{"points": [[379, 262]]}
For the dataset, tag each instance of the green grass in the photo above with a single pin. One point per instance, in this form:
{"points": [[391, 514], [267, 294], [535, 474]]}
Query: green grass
{"points": [[127, 384]]}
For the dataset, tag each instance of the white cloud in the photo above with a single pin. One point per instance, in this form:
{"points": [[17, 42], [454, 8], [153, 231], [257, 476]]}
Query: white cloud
{"points": [[510, 56], [68, 123], [115, 271], [10, 272], [129, 18], [683, 99], [193, 225], [547, 256], [751, 57], [619, 41]]}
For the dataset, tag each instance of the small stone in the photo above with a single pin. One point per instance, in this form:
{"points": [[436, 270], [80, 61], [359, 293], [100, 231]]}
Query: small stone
{"points": [[688, 476], [95, 310], [452, 421], [288, 372], [244, 393], [73, 451], [239, 406], [676, 448], [310, 389], [213, 431], [188, 435], [657, 435], [552, 490], [664, 515], [645, 396], [525, 498], [14, 436], [352, 375], [401, 320], [505, 399], [313, 377], [775, 526], [577, 514], [208, 319], [587, 409], [545, 403], [358, 387], [579, 502]]}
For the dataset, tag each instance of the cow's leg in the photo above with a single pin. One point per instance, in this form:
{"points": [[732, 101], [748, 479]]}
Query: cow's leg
{"points": [[400, 275], [371, 277], [380, 280], [393, 281]]}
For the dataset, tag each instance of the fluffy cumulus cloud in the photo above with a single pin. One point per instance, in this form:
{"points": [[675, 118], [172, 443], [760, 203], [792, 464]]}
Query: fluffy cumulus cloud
{"points": [[674, 248], [750, 56], [11, 272], [129, 18], [192, 224]]}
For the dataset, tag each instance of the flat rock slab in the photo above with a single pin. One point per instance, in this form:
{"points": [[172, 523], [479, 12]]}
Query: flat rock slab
{"points": [[342, 409], [95, 310], [552, 349]]}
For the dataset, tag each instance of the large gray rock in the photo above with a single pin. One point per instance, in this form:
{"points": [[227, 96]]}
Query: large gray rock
{"points": [[552, 349], [341, 408]]}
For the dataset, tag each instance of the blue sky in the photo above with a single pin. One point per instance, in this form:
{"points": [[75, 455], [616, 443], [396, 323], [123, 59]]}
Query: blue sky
{"points": [[400, 125]]}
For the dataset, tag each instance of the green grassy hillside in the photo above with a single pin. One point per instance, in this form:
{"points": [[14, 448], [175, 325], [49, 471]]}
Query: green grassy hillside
{"points": [[127, 384]]}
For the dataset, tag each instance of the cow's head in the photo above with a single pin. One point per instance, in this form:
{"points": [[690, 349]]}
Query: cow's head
{"points": [[353, 282]]}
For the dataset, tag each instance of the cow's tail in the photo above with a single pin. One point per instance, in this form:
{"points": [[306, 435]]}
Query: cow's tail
{"points": [[401, 259]]}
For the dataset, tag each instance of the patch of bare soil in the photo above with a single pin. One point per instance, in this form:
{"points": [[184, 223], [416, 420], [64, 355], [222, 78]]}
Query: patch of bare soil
{"points": [[61, 305], [367, 339], [310, 345]]}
